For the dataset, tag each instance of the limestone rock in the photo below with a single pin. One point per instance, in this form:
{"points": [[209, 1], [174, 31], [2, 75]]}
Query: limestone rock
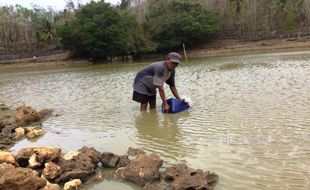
{"points": [[154, 187], [134, 152], [43, 155], [46, 154], [91, 153], [51, 170], [109, 159], [32, 132], [51, 186], [33, 163], [70, 155], [6, 157], [171, 173], [73, 184], [23, 156], [80, 167], [19, 133], [143, 169], [124, 160], [45, 113], [19, 178], [182, 177], [26, 114], [99, 176], [7, 120], [6, 141], [4, 167]]}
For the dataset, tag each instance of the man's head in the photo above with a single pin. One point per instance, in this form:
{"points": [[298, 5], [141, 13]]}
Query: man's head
{"points": [[173, 60]]}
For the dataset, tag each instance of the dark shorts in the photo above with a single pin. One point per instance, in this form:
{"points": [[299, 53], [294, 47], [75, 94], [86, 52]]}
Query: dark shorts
{"points": [[143, 99]]}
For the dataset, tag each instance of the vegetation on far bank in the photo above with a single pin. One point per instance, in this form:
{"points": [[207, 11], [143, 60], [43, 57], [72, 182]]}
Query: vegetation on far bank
{"points": [[99, 30]]}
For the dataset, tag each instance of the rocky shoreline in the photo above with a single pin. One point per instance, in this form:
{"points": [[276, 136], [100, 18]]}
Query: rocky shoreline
{"points": [[49, 168], [20, 123]]}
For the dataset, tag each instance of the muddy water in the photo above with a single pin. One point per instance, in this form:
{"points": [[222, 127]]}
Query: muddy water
{"points": [[250, 119]]}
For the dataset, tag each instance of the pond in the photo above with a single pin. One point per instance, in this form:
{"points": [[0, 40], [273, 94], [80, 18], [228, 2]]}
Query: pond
{"points": [[249, 121]]}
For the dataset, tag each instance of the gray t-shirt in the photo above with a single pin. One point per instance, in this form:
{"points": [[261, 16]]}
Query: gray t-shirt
{"points": [[152, 77]]}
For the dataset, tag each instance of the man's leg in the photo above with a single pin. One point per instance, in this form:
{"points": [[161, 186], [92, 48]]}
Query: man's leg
{"points": [[143, 106], [152, 101], [142, 99]]}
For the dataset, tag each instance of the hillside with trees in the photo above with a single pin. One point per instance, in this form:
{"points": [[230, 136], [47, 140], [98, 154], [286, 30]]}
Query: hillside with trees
{"points": [[99, 30]]}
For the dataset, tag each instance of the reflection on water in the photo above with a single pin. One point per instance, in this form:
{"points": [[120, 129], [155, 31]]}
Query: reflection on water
{"points": [[250, 119], [164, 131]]}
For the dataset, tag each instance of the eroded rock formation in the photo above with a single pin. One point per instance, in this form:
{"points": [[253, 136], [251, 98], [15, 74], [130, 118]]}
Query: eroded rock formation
{"points": [[24, 122], [37, 167]]}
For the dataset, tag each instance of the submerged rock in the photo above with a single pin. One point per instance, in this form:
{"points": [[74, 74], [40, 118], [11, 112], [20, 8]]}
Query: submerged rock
{"points": [[143, 169], [7, 120], [109, 159], [26, 114], [155, 187], [134, 152], [45, 113], [3, 107], [6, 141], [182, 177]]}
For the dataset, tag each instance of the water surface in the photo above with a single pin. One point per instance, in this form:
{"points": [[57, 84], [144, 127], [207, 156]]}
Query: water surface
{"points": [[249, 123]]}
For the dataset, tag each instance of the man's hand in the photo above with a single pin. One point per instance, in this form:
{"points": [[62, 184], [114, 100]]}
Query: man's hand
{"points": [[166, 107], [184, 101]]}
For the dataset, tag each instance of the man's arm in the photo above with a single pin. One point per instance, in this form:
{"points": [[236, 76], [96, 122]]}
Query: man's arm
{"points": [[163, 98], [175, 92]]}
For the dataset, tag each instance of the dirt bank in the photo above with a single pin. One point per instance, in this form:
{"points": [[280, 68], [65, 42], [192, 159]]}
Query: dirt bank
{"points": [[218, 48], [55, 60], [228, 47]]}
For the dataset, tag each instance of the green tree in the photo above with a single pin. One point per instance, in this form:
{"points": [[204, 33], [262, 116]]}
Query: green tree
{"points": [[125, 4], [100, 31], [170, 24]]}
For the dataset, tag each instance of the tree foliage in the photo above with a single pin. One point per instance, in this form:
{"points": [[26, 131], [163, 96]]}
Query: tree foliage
{"points": [[172, 23], [100, 31]]}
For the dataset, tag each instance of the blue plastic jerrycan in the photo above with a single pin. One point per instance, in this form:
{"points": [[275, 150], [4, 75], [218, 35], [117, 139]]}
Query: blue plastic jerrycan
{"points": [[176, 106]]}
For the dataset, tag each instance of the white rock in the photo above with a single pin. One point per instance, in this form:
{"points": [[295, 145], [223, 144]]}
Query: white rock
{"points": [[6, 157], [33, 161], [19, 132], [71, 154], [73, 184]]}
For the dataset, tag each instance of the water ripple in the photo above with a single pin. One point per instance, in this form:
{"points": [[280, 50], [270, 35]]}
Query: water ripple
{"points": [[249, 120]]}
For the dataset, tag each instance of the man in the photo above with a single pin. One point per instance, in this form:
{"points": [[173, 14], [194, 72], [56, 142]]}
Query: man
{"points": [[154, 76]]}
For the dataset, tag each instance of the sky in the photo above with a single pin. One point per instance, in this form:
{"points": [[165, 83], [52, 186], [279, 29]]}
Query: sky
{"points": [[55, 4]]}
